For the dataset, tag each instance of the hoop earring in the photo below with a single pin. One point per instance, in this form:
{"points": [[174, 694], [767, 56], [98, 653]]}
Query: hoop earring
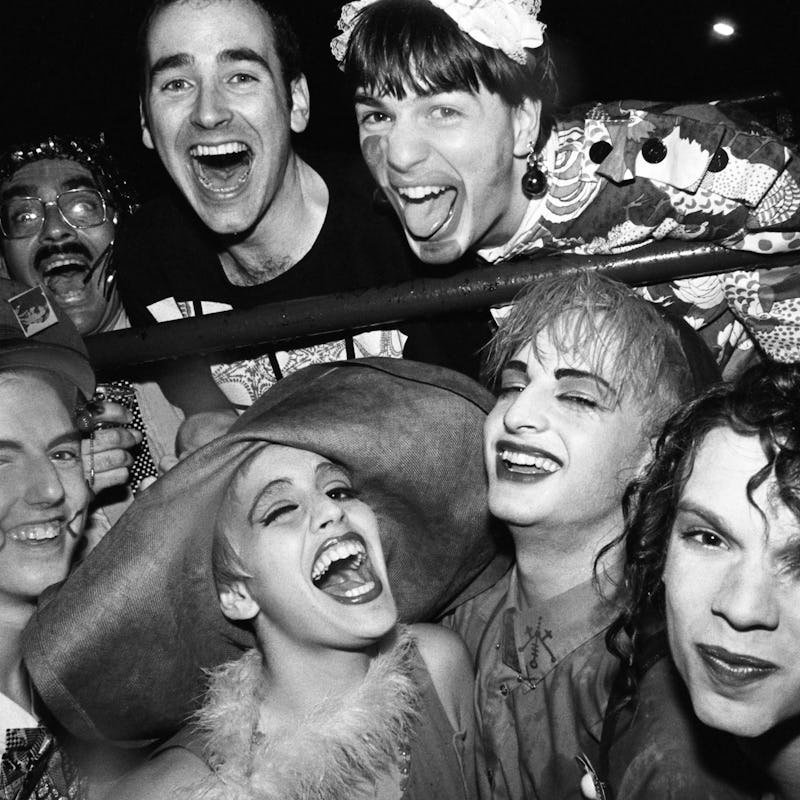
{"points": [[534, 181]]}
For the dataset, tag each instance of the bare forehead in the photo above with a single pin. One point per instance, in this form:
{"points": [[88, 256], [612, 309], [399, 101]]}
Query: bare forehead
{"points": [[56, 173], [280, 463], [206, 27]]}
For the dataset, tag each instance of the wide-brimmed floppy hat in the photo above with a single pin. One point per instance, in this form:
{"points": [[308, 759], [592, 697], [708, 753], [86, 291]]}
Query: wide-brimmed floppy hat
{"points": [[48, 340], [119, 650]]}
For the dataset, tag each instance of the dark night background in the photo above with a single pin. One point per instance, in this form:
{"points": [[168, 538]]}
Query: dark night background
{"points": [[70, 66]]}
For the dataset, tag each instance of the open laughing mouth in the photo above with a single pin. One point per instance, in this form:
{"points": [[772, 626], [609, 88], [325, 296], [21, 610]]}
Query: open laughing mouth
{"points": [[342, 570], [221, 168], [425, 210], [38, 534], [66, 276], [520, 464]]}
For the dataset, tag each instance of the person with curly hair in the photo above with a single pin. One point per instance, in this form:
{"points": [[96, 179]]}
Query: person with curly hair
{"points": [[712, 545]]}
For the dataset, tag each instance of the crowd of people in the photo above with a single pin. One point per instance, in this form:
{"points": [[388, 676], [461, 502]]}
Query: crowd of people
{"points": [[500, 555]]}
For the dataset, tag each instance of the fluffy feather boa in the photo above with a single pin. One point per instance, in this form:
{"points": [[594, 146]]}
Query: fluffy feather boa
{"points": [[341, 749]]}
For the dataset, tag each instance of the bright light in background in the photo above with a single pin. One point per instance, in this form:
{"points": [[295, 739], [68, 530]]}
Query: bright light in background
{"points": [[723, 29]]}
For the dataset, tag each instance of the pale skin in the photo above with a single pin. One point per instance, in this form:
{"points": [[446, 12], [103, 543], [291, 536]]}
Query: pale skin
{"points": [[42, 493], [590, 443], [283, 508], [215, 78], [445, 657]]}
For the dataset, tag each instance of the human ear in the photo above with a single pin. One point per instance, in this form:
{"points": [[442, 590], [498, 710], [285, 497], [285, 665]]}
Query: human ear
{"points": [[236, 602], [527, 117], [147, 139], [301, 104]]}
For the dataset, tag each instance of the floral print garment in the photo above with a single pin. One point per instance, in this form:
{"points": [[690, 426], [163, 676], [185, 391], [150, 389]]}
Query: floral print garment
{"points": [[624, 174]]}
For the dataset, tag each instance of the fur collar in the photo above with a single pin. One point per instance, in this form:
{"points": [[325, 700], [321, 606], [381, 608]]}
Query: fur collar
{"points": [[341, 749]]}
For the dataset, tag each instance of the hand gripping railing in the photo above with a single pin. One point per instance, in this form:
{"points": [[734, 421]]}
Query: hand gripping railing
{"points": [[321, 317]]}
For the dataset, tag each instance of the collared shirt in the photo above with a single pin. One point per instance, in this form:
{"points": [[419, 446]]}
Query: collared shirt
{"points": [[543, 680]]}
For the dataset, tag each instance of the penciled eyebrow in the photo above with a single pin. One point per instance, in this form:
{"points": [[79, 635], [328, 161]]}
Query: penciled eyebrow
{"points": [[582, 374], [230, 56], [562, 373], [271, 486], [689, 506]]}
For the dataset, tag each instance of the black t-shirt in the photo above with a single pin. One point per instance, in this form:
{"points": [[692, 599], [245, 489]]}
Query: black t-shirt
{"points": [[164, 254]]}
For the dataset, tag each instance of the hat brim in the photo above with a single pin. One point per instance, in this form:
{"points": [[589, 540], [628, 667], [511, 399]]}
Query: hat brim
{"points": [[62, 360], [119, 650]]}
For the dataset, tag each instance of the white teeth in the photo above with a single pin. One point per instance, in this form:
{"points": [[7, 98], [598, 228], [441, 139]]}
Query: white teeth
{"points": [[217, 149], [63, 261], [36, 533], [420, 192], [526, 460], [359, 590], [338, 552]]}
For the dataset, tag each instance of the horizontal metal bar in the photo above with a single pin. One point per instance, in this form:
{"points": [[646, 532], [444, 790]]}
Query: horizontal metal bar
{"points": [[281, 323]]}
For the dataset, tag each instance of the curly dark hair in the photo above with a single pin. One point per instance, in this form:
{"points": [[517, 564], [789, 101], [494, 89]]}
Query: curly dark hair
{"points": [[92, 152], [763, 402]]}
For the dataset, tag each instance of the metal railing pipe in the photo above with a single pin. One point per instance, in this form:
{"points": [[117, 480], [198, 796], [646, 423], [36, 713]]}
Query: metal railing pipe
{"points": [[279, 324]]}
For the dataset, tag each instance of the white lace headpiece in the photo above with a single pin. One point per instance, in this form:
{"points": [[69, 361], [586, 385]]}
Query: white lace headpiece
{"points": [[507, 25]]}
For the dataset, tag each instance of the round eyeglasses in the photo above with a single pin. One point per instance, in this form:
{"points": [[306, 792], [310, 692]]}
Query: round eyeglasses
{"points": [[21, 217]]}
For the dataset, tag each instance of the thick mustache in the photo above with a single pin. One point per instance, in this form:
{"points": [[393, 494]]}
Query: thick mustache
{"points": [[72, 249]]}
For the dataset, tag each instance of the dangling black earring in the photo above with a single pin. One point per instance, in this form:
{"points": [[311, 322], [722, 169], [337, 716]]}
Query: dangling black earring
{"points": [[534, 181]]}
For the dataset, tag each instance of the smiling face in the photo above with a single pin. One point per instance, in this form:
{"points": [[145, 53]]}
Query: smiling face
{"points": [[560, 445], [71, 262], [450, 164], [312, 551], [43, 492], [732, 588], [216, 109]]}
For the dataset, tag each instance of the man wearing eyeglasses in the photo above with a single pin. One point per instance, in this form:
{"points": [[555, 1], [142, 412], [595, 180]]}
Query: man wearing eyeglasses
{"points": [[58, 220], [61, 200]]}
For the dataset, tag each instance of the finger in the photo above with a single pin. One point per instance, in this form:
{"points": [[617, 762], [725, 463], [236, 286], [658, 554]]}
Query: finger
{"points": [[110, 413], [112, 439], [109, 478], [148, 480], [167, 463], [109, 460]]}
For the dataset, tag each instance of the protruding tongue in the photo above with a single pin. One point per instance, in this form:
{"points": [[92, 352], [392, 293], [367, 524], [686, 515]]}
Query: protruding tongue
{"points": [[66, 281], [341, 576], [222, 172], [423, 218]]}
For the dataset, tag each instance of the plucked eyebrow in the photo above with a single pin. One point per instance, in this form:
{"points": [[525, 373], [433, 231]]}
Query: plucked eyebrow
{"points": [[689, 506], [229, 56], [582, 374], [278, 483], [516, 366], [790, 551], [563, 372], [324, 470]]}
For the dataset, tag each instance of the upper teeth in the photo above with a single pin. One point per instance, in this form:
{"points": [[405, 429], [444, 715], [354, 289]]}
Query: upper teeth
{"points": [[526, 460], [217, 149], [420, 192], [61, 262], [338, 552], [44, 530]]}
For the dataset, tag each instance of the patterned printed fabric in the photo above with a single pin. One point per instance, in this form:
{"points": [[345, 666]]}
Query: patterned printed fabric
{"points": [[624, 174], [143, 465], [33, 766]]}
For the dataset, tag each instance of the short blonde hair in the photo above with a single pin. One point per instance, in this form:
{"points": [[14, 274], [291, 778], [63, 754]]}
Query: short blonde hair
{"points": [[587, 313]]}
